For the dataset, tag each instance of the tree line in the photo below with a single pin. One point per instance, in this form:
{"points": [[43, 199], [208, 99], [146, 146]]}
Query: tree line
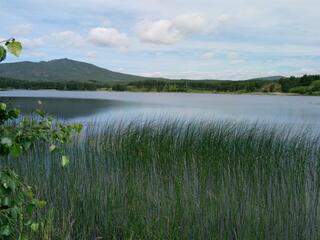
{"points": [[307, 84]]}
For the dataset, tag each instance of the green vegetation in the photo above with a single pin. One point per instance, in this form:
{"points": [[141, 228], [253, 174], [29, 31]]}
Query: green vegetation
{"points": [[17, 136], [176, 180], [66, 74], [306, 85], [63, 70]]}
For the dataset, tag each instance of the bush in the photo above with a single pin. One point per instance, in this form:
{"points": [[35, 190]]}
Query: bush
{"points": [[301, 90], [119, 87]]}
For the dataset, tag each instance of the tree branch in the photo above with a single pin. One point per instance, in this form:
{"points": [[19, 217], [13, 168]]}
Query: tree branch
{"points": [[8, 40]]}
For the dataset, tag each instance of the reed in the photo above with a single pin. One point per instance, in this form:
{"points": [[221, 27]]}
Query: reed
{"points": [[179, 180]]}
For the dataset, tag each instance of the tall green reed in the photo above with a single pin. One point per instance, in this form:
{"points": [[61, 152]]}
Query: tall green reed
{"points": [[179, 180]]}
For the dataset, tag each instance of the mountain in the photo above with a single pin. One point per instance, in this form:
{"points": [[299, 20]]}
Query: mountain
{"points": [[63, 70]]}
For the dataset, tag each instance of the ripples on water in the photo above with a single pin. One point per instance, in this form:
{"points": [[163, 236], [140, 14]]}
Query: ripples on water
{"points": [[294, 112]]}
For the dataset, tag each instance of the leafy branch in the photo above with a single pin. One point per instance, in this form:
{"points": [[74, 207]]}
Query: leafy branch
{"points": [[17, 136], [11, 45]]}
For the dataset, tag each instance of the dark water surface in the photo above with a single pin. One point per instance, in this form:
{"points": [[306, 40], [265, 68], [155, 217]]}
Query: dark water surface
{"points": [[102, 106]]}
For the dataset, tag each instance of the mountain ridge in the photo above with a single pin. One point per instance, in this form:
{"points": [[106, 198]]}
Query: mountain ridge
{"points": [[65, 69]]}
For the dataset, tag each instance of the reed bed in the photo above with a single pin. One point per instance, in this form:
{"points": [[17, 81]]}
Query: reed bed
{"points": [[179, 180]]}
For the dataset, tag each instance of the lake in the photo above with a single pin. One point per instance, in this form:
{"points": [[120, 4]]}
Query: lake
{"points": [[102, 106]]}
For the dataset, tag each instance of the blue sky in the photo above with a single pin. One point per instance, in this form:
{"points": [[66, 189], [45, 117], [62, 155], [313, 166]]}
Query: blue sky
{"points": [[197, 39]]}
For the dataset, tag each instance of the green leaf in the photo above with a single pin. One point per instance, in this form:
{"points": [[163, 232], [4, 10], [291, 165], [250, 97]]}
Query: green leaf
{"points": [[15, 150], [41, 113], [14, 212], [15, 48], [64, 161], [27, 145], [34, 227], [30, 208], [5, 230], [52, 148], [39, 203], [14, 113], [3, 106], [78, 127], [3, 53], [29, 193], [6, 202]]}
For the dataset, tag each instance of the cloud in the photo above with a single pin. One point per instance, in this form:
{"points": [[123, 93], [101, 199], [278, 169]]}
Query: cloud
{"points": [[37, 54], [158, 32], [91, 54], [208, 55], [68, 39], [234, 58], [191, 23], [22, 29], [31, 43], [152, 74], [108, 37], [170, 31], [267, 35]]}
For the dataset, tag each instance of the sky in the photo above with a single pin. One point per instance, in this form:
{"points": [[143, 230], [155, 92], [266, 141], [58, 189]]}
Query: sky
{"points": [[194, 39]]}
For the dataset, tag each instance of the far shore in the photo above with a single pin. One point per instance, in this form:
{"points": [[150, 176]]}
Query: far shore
{"points": [[195, 92]]}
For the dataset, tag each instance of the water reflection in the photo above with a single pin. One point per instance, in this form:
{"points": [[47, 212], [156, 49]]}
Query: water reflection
{"points": [[102, 106], [66, 109]]}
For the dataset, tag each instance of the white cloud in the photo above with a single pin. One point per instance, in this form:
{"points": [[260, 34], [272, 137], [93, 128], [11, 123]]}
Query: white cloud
{"points": [[152, 74], [22, 29], [191, 23], [234, 58], [267, 34], [158, 32], [68, 39], [108, 37], [37, 54], [207, 55], [170, 31], [31, 43], [91, 54]]}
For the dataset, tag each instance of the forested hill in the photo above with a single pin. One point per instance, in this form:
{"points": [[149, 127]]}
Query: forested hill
{"points": [[63, 70], [65, 74]]}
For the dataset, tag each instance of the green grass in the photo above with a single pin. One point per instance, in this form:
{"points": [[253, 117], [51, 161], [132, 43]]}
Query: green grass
{"points": [[179, 181]]}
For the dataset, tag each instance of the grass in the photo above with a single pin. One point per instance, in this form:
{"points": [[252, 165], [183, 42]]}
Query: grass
{"points": [[179, 180]]}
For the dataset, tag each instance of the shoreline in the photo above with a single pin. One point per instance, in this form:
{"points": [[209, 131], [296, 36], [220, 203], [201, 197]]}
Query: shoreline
{"points": [[190, 92]]}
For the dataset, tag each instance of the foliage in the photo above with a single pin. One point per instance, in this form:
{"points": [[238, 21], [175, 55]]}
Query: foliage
{"points": [[12, 46], [119, 87], [17, 204], [285, 85], [17, 136], [316, 85], [180, 180], [301, 90]]}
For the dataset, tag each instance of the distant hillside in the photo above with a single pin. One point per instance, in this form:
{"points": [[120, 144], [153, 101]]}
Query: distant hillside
{"points": [[67, 70], [66, 74], [63, 70]]}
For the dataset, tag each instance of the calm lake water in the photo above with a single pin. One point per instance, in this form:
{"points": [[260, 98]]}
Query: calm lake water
{"points": [[102, 106]]}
